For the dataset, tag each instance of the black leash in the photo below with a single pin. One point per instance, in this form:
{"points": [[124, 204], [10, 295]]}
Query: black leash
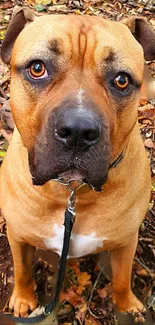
{"points": [[68, 224]]}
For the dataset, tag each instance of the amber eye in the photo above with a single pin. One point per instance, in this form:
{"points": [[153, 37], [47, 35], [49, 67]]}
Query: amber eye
{"points": [[37, 70], [122, 81]]}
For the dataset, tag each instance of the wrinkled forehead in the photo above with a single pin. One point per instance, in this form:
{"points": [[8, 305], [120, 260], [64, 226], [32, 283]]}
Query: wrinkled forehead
{"points": [[61, 35]]}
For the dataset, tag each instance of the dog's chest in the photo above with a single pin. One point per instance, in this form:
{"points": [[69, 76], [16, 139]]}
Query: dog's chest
{"points": [[80, 245]]}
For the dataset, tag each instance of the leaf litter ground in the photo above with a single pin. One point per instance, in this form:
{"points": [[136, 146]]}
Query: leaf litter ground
{"points": [[86, 295]]}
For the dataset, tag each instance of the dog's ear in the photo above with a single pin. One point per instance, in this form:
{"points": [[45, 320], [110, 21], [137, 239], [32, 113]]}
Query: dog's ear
{"points": [[21, 17], [144, 33]]}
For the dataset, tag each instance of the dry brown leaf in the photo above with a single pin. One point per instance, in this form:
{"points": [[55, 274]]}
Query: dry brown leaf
{"points": [[103, 293], [80, 314], [2, 221], [7, 136], [90, 320], [82, 277], [83, 281], [150, 113], [72, 297], [143, 101], [147, 121], [152, 21], [118, 5], [142, 272], [145, 107], [149, 143]]}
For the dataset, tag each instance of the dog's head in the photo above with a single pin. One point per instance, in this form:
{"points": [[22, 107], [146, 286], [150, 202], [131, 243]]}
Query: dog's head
{"points": [[75, 83]]}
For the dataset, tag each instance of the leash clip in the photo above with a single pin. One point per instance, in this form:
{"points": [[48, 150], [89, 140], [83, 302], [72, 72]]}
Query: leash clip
{"points": [[72, 198], [71, 205]]}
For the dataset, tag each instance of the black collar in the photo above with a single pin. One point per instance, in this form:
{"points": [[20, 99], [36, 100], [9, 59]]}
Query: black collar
{"points": [[117, 161]]}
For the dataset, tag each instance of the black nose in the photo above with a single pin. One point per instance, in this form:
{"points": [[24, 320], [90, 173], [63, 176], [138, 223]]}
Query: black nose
{"points": [[78, 127]]}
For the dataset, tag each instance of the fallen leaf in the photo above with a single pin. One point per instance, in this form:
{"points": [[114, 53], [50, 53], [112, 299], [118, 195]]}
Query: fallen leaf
{"points": [[2, 221], [6, 135], [83, 281], [150, 113], [149, 143], [46, 2], [90, 320], [142, 272], [43, 2], [83, 278], [83, 308], [2, 153], [58, 8], [40, 7], [152, 21], [145, 107], [71, 296], [2, 34], [102, 293], [81, 313], [143, 101]]}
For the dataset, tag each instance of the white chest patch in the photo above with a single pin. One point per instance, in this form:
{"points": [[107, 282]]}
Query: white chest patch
{"points": [[80, 245]]}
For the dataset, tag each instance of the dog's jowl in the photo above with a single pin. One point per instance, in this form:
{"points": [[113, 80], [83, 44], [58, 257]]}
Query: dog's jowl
{"points": [[75, 87]]}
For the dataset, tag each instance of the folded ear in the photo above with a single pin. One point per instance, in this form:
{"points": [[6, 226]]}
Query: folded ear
{"points": [[144, 33], [21, 17]]}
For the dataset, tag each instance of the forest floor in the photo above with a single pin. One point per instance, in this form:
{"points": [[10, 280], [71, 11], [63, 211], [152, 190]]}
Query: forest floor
{"points": [[86, 296]]}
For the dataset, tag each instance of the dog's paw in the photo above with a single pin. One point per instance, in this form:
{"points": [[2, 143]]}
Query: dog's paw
{"points": [[23, 300], [128, 303]]}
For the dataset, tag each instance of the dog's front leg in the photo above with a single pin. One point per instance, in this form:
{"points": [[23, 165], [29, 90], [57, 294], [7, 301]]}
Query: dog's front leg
{"points": [[23, 297], [121, 262]]}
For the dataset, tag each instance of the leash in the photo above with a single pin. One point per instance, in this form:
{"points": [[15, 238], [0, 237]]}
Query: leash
{"points": [[68, 224]]}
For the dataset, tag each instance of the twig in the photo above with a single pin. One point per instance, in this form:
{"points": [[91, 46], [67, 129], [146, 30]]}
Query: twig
{"points": [[152, 212], [144, 266], [2, 235], [6, 135], [3, 27], [3, 93], [146, 3], [91, 295]]}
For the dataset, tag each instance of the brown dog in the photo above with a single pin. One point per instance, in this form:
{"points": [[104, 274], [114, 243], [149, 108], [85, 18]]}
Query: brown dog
{"points": [[75, 86]]}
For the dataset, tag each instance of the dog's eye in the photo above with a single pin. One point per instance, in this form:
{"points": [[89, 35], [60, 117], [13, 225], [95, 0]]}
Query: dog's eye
{"points": [[122, 82], [37, 70]]}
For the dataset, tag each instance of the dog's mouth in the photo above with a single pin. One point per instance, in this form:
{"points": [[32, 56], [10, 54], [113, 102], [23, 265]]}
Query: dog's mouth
{"points": [[91, 166], [73, 177], [55, 161], [72, 174], [68, 176]]}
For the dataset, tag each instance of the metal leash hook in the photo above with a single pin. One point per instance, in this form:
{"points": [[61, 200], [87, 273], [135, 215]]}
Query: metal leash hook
{"points": [[72, 198]]}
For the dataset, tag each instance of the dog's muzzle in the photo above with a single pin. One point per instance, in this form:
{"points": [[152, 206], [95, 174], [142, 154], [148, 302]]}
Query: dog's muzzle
{"points": [[74, 143]]}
